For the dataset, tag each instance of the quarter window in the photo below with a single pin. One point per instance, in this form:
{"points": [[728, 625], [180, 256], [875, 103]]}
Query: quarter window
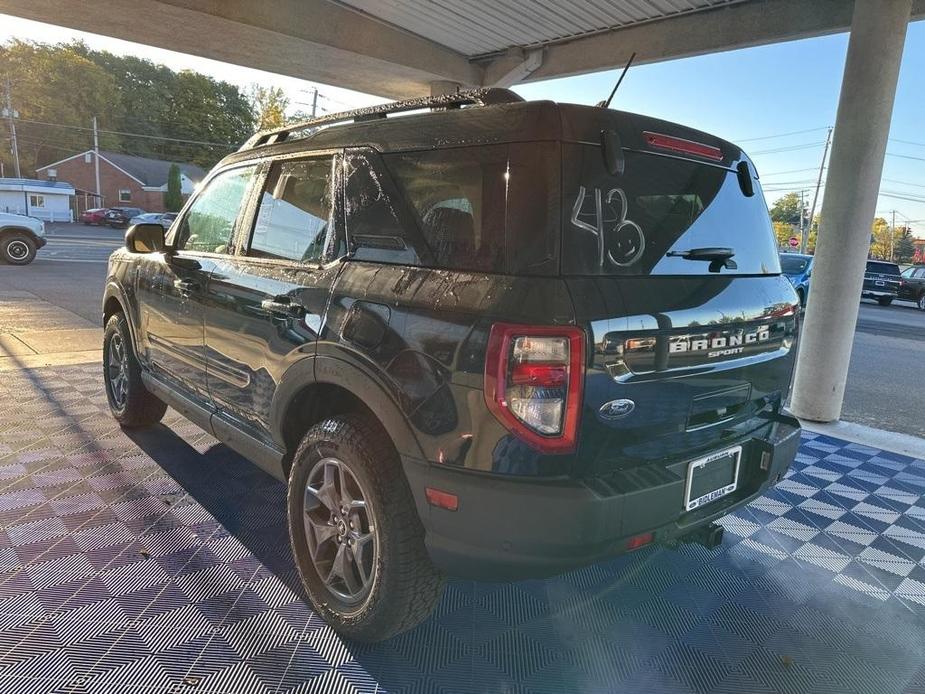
{"points": [[295, 212], [209, 224]]}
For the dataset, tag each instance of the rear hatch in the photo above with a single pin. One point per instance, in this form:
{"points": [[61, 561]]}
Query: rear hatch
{"points": [[881, 277], [671, 260]]}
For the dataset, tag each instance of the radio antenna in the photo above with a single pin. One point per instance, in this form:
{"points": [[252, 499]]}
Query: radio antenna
{"points": [[606, 104]]}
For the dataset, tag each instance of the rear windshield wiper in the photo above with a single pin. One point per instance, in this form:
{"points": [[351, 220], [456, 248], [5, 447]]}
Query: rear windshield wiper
{"points": [[717, 257]]}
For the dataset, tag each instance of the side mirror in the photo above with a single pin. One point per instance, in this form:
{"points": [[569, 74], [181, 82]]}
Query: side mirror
{"points": [[145, 238]]}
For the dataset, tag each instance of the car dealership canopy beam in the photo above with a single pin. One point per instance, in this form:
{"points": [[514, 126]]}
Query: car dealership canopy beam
{"points": [[398, 48]]}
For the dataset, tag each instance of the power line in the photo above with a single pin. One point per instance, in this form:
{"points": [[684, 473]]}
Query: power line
{"points": [[791, 148], [773, 137], [117, 132], [905, 156], [779, 173]]}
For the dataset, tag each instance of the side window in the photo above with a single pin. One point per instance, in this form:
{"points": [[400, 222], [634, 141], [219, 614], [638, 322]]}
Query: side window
{"points": [[209, 224], [295, 215], [373, 226], [920, 273], [459, 196]]}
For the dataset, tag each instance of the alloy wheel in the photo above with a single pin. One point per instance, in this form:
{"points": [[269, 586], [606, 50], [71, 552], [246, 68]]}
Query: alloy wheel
{"points": [[117, 370], [340, 529]]}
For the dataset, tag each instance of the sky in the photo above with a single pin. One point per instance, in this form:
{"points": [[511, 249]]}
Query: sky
{"points": [[776, 101]]}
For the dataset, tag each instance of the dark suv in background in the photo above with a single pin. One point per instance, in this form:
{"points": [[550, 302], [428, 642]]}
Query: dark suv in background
{"points": [[881, 282], [496, 339], [120, 216]]}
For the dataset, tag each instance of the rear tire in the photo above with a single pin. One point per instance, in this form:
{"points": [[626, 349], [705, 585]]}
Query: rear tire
{"points": [[130, 402], [17, 249], [366, 571], [885, 300]]}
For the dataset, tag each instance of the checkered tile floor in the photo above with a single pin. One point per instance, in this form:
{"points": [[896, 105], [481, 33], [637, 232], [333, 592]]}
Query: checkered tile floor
{"points": [[158, 562]]}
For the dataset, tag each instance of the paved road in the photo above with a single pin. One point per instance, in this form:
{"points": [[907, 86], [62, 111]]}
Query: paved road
{"points": [[886, 380], [886, 383]]}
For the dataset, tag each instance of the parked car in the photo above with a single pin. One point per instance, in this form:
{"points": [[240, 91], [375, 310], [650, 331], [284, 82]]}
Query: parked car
{"points": [[120, 216], [881, 282], [912, 285], [165, 219], [502, 342], [20, 238], [95, 216], [798, 269]]}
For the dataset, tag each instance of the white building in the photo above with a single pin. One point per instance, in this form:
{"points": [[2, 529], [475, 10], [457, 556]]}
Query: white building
{"points": [[46, 200]]}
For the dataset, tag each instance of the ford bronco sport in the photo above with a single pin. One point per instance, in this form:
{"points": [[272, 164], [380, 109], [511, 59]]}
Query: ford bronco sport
{"points": [[494, 339]]}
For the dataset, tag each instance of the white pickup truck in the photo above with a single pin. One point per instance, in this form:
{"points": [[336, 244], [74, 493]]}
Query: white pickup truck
{"points": [[20, 238]]}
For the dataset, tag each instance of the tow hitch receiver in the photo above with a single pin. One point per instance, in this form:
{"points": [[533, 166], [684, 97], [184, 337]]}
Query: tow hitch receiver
{"points": [[710, 536]]}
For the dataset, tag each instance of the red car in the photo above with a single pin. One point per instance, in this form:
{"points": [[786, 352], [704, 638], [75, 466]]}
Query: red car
{"points": [[94, 216]]}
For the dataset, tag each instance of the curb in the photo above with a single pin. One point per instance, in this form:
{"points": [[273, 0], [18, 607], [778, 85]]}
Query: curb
{"points": [[892, 441]]}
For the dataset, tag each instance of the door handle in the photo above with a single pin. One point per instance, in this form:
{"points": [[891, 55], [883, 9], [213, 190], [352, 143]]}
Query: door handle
{"points": [[282, 307]]}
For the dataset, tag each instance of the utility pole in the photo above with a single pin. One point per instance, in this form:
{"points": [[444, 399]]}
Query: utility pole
{"points": [[96, 163], [315, 102], [812, 210], [11, 115], [802, 216], [892, 235]]}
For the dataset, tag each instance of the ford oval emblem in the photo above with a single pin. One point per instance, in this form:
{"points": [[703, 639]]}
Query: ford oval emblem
{"points": [[616, 409]]}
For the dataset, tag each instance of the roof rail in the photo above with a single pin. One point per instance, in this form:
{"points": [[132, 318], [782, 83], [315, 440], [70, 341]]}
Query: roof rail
{"points": [[480, 97]]}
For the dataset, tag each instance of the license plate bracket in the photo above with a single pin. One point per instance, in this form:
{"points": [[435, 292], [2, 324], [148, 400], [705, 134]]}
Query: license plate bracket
{"points": [[712, 477]]}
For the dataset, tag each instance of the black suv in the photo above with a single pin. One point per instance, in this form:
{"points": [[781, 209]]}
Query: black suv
{"points": [[120, 216], [881, 282], [912, 285], [494, 339]]}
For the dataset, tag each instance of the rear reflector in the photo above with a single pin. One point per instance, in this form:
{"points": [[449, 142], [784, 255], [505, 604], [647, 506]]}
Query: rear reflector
{"points": [[677, 144], [441, 499], [639, 541]]}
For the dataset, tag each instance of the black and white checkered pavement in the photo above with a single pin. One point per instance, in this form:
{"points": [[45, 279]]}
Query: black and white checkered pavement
{"points": [[158, 561]]}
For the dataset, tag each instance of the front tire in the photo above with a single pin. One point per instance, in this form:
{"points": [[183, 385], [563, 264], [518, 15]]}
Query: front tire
{"points": [[356, 537], [17, 249], [885, 300], [130, 402], [921, 302]]}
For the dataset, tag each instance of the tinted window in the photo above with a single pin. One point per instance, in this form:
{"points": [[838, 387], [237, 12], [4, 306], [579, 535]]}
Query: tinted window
{"points": [[295, 212], [793, 264], [210, 222], [632, 224], [372, 213], [882, 268], [920, 273], [490, 208]]}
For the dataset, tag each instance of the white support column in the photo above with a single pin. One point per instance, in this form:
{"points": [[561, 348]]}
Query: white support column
{"points": [[878, 30]]}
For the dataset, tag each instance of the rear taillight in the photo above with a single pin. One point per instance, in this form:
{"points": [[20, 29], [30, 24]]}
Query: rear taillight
{"points": [[533, 382], [678, 144]]}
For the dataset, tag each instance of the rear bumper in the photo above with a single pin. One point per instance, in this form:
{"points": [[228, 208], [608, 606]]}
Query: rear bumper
{"points": [[511, 529]]}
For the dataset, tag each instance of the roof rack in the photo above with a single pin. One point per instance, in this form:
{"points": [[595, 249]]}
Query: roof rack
{"points": [[478, 97]]}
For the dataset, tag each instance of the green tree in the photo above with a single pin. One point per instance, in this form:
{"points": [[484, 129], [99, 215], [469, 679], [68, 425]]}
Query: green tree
{"points": [[787, 209], [782, 232], [173, 198], [269, 105], [160, 107], [880, 239], [904, 247], [55, 84]]}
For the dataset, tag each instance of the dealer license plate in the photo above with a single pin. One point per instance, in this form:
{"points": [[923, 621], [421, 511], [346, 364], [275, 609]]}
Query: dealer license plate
{"points": [[712, 477]]}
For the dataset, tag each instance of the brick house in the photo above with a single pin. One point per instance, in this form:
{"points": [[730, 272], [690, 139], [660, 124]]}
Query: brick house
{"points": [[124, 179]]}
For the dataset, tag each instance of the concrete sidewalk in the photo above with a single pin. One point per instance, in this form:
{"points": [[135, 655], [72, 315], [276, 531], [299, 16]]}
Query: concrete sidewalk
{"points": [[65, 337]]}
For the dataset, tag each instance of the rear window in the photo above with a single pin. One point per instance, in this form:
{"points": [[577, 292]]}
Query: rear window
{"points": [[490, 208], [882, 268], [630, 224], [793, 264]]}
